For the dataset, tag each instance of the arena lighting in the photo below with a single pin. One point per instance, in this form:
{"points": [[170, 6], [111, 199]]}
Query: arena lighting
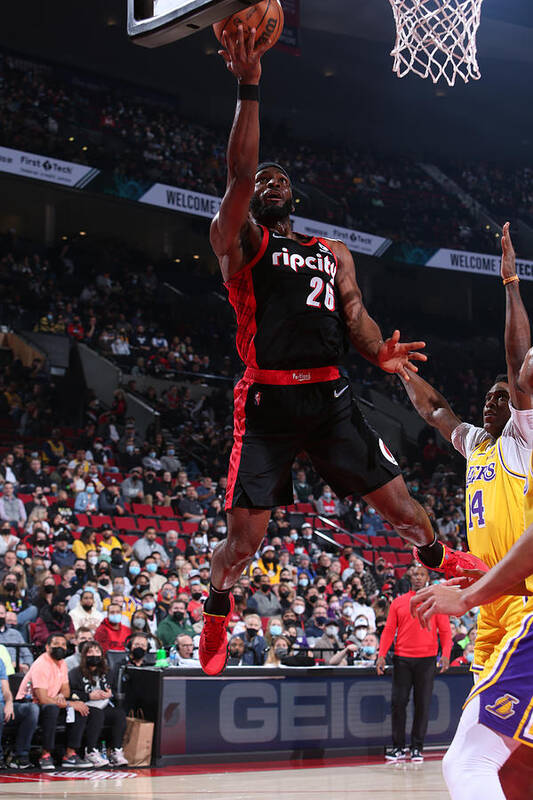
{"points": [[153, 23], [83, 233], [64, 238], [71, 138], [196, 256], [84, 147], [177, 260]]}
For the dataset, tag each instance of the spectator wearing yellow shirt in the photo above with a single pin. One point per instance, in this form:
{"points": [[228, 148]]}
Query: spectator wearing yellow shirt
{"points": [[111, 542], [268, 564], [86, 542], [126, 604]]}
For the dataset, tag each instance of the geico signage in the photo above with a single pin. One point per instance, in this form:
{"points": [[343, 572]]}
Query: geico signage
{"points": [[256, 712]]}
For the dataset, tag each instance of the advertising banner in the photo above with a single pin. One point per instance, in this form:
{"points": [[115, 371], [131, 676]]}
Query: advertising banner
{"points": [[274, 712], [290, 37], [478, 263], [205, 205], [44, 168]]}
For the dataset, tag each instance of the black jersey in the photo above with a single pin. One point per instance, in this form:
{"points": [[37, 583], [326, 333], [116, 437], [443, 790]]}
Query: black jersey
{"points": [[288, 307]]}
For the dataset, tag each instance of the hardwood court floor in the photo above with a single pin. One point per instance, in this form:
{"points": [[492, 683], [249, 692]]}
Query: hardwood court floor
{"points": [[375, 781]]}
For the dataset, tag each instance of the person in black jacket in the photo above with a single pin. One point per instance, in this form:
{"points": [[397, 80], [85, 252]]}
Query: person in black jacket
{"points": [[89, 683]]}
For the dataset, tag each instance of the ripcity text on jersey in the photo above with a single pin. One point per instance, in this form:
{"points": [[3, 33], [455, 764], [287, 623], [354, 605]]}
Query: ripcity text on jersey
{"points": [[289, 314]]}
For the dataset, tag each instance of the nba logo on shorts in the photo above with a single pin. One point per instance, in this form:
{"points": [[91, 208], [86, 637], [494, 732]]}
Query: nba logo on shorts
{"points": [[257, 398]]}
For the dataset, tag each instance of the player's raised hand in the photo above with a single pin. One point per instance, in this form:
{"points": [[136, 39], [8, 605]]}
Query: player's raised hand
{"points": [[396, 356], [242, 57], [508, 268], [437, 599]]}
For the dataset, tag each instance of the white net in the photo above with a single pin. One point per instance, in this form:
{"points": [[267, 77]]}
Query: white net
{"points": [[436, 38]]}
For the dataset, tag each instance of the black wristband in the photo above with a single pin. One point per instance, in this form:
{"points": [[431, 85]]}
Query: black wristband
{"points": [[248, 91]]}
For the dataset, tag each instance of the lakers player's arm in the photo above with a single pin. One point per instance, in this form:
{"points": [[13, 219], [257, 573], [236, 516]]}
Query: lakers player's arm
{"points": [[431, 405], [390, 355], [515, 567], [234, 237], [517, 328]]}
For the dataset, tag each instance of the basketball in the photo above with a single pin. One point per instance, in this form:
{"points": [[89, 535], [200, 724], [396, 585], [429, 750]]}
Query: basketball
{"points": [[266, 17]]}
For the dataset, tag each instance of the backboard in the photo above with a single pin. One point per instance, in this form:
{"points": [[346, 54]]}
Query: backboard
{"points": [[153, 23]]}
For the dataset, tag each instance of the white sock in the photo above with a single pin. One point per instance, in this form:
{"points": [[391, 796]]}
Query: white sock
{"points": [[475, 757]]}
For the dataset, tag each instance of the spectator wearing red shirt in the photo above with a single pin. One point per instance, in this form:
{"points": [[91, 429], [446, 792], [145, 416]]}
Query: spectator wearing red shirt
{"points": [[111, 633], [415, 652]]}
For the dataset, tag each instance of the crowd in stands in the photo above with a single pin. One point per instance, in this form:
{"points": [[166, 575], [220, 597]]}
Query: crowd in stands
{"points": [[143, 140]]}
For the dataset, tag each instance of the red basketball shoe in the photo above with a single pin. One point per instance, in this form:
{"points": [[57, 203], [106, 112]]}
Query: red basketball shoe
{"points": [[454, 559], [213, 649]]}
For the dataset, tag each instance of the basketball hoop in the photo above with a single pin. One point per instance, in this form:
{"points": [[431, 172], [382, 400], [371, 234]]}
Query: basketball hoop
{"points": [[436, 38]]}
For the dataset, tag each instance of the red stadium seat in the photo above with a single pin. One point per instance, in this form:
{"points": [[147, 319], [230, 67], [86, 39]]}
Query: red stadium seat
{"points": [[400, 572], [390, 557], [143, 523], [189, 527], [83, 520], [31, 630], [305, 508], [128, 538], [142, 509], [169, 525], [98, 520], [125, 524], [164, 511], [367, 540], [368, 554], [378, 541], [182, 544], [405, 558], [396, 542], [342, 538]]}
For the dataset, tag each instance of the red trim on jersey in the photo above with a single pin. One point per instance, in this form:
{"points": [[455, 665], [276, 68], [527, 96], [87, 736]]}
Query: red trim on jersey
{"points": [[242, 297], [239, 428], [326, 244], [291, 377], [260, 253]]}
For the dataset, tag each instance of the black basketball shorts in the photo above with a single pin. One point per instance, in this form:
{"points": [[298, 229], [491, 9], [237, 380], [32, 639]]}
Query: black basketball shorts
{"points": [[273, 423]]}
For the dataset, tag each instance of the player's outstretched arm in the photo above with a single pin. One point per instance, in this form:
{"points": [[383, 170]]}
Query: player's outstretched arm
{"points": [[431, 405], [517, 328], [234, 238], [512, 570], [365, 335]]}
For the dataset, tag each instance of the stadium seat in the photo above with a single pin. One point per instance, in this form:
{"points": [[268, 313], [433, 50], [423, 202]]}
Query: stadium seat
{"points": [[99, 520], [396, 542], [305, 508], [182, 544], [343, 538], [31, 630], [125, 524], [164, 511], [368, 555], [189, 527], [404, 558], [400, 572], [169, 525], [378, 542], [83, 520], [143, 523], [142, 509]]}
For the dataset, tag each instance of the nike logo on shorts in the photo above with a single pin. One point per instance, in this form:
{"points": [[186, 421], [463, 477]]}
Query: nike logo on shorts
{"points": [[337, 393]]}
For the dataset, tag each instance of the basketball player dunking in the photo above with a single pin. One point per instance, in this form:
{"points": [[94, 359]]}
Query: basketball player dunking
{"points": [[297, 302]]}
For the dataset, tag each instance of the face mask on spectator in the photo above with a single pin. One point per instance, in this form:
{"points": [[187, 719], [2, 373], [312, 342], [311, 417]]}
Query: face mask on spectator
{"points": [[12, 587], [149, 606], [327, 495], [58, 653], [331, 630], [90, 490], [130, 449], [134, 570], [138, 653], [298, 609], [152, 454], [151, 567], [294, 537], [2, 621], [94, 661], [361, 633], [198, 541], [303, 582], [178, 616], [469, 657], [138, 622], [280, 652], [275, 630], [104, 580], [115, 619], [298, 551], [251, 632], [170, 451], [368, 649], [93, 560], [22, 553], [196, 595]]}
